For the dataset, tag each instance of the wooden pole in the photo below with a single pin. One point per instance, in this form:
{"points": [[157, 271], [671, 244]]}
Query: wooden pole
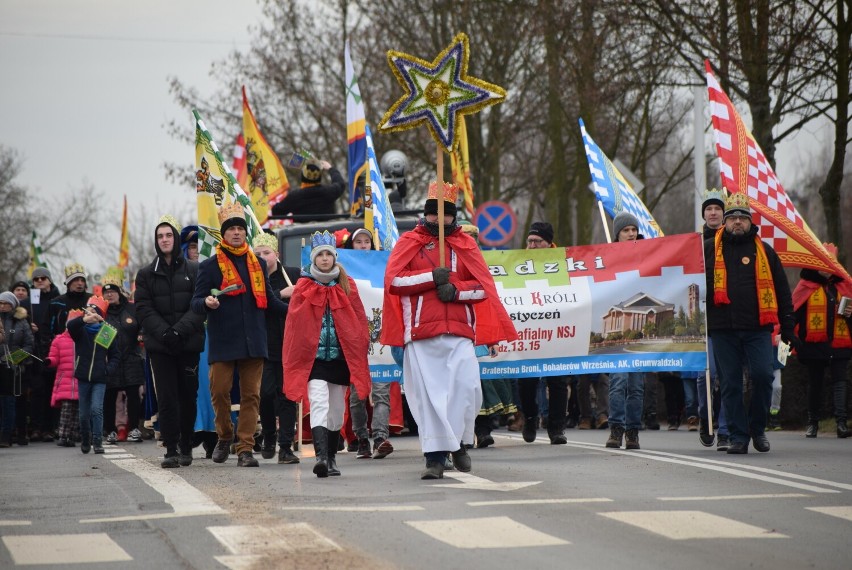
{"points": [[605, 223], [440, 182]]}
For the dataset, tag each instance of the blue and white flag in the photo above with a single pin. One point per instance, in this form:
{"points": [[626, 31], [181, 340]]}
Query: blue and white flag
{"points": [[383, 219], [613, 191]]}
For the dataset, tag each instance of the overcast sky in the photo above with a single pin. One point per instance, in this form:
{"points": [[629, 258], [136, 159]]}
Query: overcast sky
{"points": [[84, 94]]}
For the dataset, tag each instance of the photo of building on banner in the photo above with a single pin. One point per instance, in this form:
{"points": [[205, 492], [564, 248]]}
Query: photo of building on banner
{"points": [[634, 306]]}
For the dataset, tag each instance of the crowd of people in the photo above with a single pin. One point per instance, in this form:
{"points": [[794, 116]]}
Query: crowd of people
{"points": [[193, 339]]}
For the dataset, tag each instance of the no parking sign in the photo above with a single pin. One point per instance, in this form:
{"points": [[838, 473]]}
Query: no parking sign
{"points": [[496, 222]]}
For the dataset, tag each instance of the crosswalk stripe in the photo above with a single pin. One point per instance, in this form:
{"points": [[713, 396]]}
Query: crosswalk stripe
{"points": [[690, 525], [737, 497], [839, 512], [62, 549], [489, 532], [289, 537], [536, 502]]}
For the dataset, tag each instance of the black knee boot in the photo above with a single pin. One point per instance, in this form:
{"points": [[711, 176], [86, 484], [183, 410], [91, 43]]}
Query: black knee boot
{"points": [[320, 440], [333, 439], [840, 408]]}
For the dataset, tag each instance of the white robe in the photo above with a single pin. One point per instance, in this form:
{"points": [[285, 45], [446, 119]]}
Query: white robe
{"points": [[443, 390]]}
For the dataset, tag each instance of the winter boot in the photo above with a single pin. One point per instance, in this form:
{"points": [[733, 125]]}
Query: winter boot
{"points": [[286, 455], [840, 408], [334, 438], [651, 422], [842, 429], [674, 423], [530, 427], [813, 425], [631, 439], [268, 449], [171, 460], [5, 439], [615, 435], [319, 435], [98, 445], [86, 444]]}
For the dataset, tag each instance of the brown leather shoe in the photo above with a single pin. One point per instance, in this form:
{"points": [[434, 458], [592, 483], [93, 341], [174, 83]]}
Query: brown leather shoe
{"points": [[518, 423], [585, 423]]}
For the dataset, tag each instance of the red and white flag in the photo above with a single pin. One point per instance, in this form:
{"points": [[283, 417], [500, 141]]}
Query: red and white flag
{"points": [[744, 169]]}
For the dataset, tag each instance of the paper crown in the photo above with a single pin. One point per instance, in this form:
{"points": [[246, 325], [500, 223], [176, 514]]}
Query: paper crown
{"points": [[99, 302], [232, 210], [737, 204], [714, 196], [171, 220], [323, 239], [451, 192], [74, 271], [266, 240], [73, 314], [114, 276]]}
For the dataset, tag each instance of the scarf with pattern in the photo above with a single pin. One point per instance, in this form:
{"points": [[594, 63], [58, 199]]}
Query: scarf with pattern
{"points": [[230, 275], [817, 322], [767, 302]]}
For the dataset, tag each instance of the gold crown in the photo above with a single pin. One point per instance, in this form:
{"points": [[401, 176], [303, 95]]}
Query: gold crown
{"points": [[266, 240], [232, 210], [737, 201], [171, 220], [451, 192], [113, 276], [312, 170], [74, 268]]}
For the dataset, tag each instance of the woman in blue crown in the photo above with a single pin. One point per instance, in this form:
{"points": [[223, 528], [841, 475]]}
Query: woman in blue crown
{"points": [[325, 347]]}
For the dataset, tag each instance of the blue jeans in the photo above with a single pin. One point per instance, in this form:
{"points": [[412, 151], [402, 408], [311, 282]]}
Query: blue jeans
{"points": [[626, 390], [92, 410], [734, 350], [7, 414], [690, 395]]}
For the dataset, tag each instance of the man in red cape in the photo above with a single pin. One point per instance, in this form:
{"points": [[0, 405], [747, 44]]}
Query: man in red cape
{"points": [[438, 314]]}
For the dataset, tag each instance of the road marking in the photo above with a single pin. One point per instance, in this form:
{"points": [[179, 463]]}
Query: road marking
{"points": [[113, 449], [358, 509], [239, 562], [839, 512], [152, 516], [690, 525], [469, 481], [115, 456], [738, 470], [185, 499], [490, 532], [737, 497], [62, 549], [15, 523], [536, 502], [291, 537]]}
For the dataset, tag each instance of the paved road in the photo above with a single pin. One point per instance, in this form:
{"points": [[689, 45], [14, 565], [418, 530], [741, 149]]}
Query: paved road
{"points": [[672, 504]]}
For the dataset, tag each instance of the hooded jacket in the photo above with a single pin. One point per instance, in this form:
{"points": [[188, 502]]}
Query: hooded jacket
{"points": [[129, 371], [92, 362], [163, 295], [61, 305], [41, 319]]}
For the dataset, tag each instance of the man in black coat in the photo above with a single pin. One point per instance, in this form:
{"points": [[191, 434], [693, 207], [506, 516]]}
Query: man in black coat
{"points": [[75, 297], [42, 417], [234, 292], [174, 338], [747, 295], [312, 197]]}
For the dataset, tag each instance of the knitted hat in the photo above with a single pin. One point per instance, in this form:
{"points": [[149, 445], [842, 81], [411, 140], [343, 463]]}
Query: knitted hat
{"points": [[621, 221], [543, 230], [322, 242], [266, 240], [231, 215], [451, 194], [99, 303], [713, 196], [73, 314], [737, 205], [41, 272], [311, 170], [189, 234], [9, 297], [74, 271], [23, 284]]}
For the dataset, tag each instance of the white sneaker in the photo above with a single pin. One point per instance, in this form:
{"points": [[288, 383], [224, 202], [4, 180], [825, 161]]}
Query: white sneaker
{"points": [[112, 438], [135, 436]]}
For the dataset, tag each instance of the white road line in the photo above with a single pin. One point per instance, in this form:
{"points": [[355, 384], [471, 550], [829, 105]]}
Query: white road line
{"points": [[115, 456], [62, 549], [839, 512], [691, 525], [738, 471], [469, 481], [185, 499], [113, 449], [536, 502], [15, 523], [152, 516], [489, 532], [358, 509], [737, 497], [291, 537], [239, 562]]}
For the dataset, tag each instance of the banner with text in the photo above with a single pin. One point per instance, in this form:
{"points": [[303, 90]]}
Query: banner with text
{"points": [[634, 306]]}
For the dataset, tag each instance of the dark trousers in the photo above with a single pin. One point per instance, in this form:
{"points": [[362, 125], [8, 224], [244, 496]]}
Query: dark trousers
{"points": [[837, 377], [735, 350], [675, 396], [176, 383], [275, 405], [42, 416], [557, 390], [133, 407]]}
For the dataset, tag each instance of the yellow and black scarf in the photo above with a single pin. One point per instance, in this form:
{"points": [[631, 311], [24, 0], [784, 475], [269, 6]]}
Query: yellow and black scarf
{"points": [[767, 302], [817, 322], [230, 275]]}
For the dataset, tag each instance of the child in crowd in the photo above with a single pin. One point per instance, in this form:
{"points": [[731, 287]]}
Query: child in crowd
{"points": [[96, 358], [65, 392]]}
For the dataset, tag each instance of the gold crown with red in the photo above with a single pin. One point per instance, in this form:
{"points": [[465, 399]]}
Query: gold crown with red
{"points": [[451, 192], [737, 204], [232, 210]]}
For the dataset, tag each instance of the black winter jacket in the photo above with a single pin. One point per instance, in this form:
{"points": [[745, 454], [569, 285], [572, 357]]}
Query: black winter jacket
{"points": [[316, 199], [41, 319], [821, 350], [742, 313], [275, 323], [61, 305], [92, 362], [129, 371]]}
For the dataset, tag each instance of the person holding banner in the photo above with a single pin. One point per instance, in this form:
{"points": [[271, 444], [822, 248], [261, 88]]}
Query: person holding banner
{"points": [[438, 314], [626, 389], [749, 296], [826, 344]]}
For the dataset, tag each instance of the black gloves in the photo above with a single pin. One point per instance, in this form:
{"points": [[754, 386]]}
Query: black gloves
{"points": [[447, 292], [441, 276], [172, 340], [790, 338]]}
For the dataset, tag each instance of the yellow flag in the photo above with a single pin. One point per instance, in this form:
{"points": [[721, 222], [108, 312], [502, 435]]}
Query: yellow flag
{"points": [[460, 162], [124, 249], [266, 183]]}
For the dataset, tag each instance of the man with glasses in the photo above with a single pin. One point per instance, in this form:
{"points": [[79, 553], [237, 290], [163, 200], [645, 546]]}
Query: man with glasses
{"points": [[541, 237], [42, 417], [747, 295]]}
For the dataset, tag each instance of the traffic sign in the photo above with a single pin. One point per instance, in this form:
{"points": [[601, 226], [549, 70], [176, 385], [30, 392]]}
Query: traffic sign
{"points": [[496, 222]]}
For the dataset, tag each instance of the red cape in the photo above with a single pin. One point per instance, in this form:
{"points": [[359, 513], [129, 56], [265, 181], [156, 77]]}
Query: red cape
{"points": [[492, 321], [301, 335]]}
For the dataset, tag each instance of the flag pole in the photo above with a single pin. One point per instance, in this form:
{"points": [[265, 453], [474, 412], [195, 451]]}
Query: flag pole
{"points": [[439, 181], [605, 223]]}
